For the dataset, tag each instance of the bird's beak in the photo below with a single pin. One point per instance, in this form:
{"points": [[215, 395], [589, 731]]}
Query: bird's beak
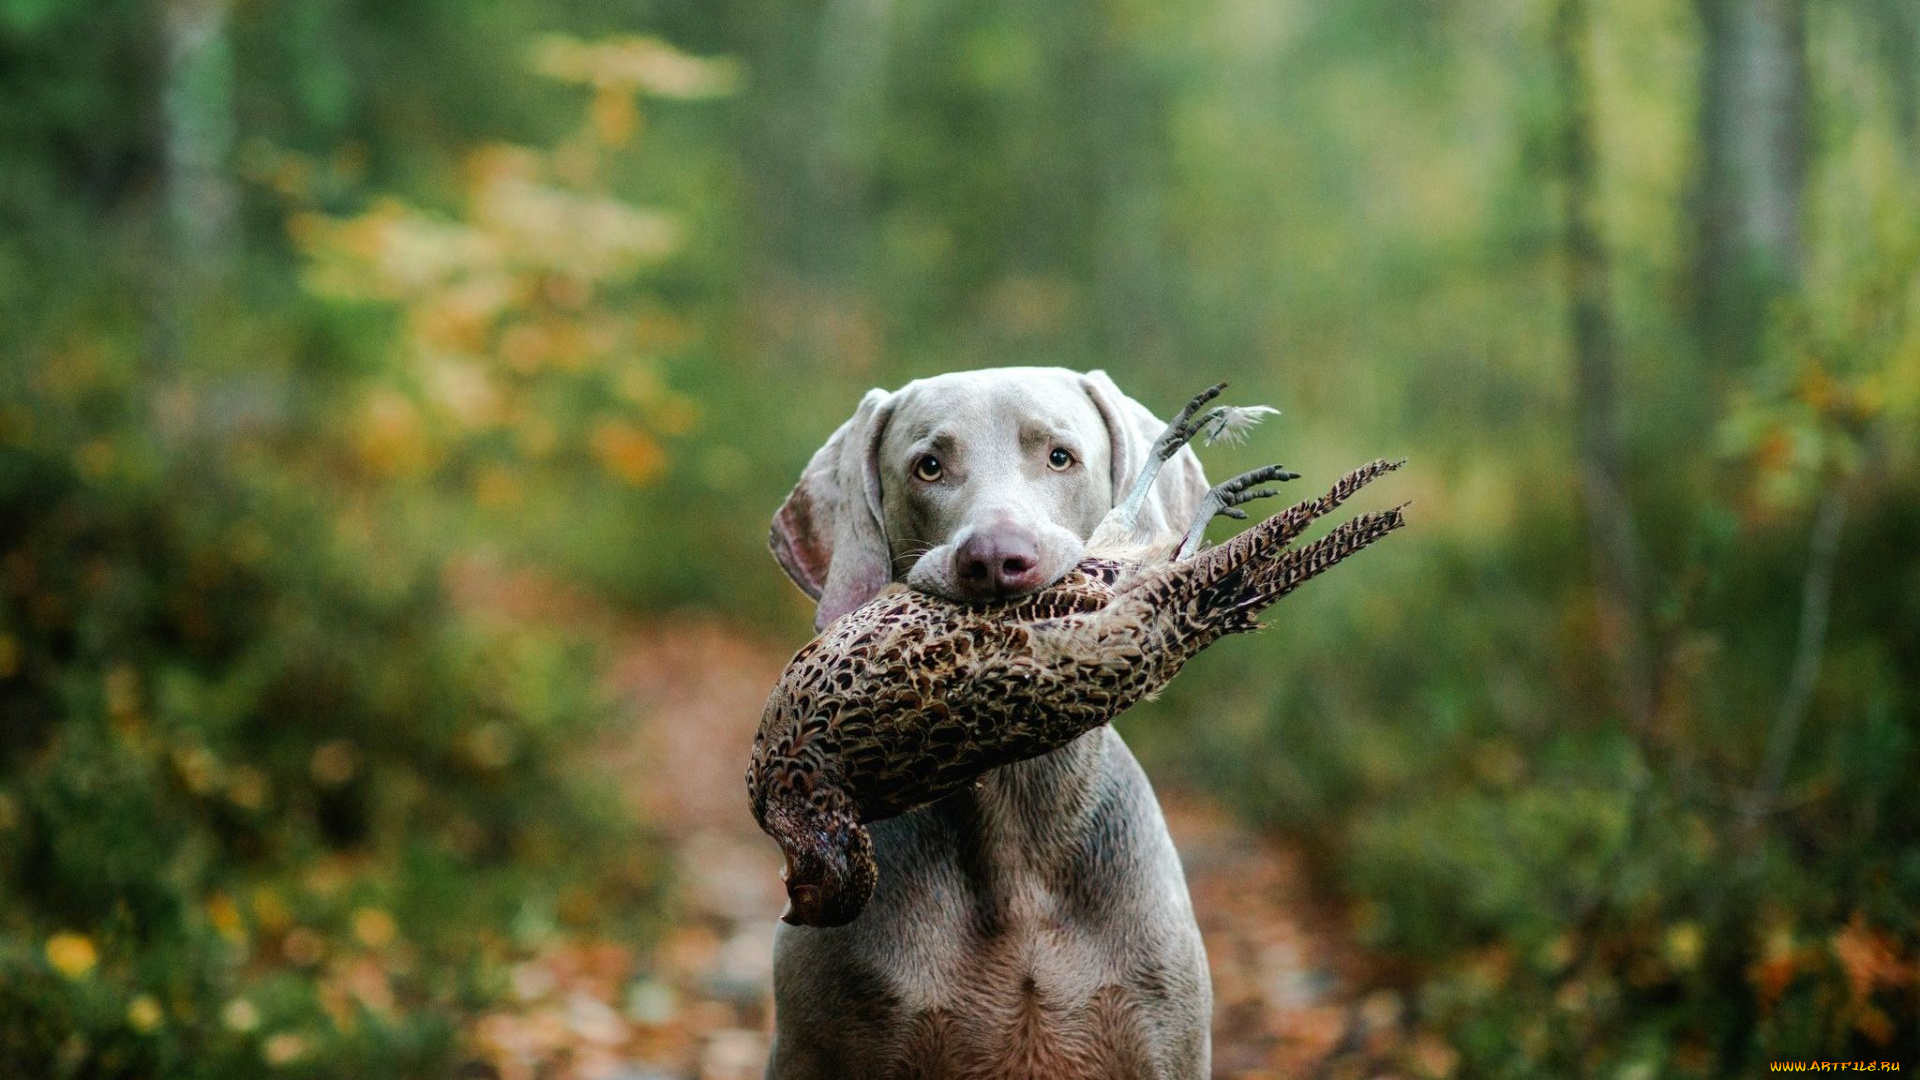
{"points": [[807, 894]]}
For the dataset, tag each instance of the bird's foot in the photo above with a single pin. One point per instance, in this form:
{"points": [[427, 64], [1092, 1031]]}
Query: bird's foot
{"points": [[1225, 498], [1120, 524], [1190, 422], [1220, 423], [1217, 423]]}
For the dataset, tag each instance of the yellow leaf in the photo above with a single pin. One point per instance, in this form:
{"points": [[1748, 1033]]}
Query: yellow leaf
{"points": [[374, 927], [225, 917], [198, 768], [627, 452], [143, 1014], [72, 955], [391, 437], [334, 763], [240, 1015], [634, 63], [1683, 945], [270, 909], [615, 117], [247, 787]]}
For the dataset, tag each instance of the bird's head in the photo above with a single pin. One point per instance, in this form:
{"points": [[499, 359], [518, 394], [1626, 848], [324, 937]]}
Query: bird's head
{"points": [[830, 871]]}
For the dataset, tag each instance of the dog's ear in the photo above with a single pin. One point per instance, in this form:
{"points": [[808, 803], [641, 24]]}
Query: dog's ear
{"points": [[1132, 427], [827, 535]]}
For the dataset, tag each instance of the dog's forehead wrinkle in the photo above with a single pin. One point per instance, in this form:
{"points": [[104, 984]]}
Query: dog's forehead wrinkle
{"points": [[1044, 432], [942, 441], [991, 429], [995, 396]]}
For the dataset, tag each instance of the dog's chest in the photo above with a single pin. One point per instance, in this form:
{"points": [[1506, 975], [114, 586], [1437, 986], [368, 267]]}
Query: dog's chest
{"points": [[1036, 1002], [1021, 954], [1039, 928]]}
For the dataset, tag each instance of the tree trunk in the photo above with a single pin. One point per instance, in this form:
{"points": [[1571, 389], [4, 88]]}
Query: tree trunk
{"points": [[849, 99], [1753, 137], [1895, 26], [1130, 139], [820, 80], [1618, 580], [197, 102]]}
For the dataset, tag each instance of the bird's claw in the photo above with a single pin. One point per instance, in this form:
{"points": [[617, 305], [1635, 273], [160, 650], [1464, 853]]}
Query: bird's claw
{"points": [[1224, 499], [1220, 422], [1190, 422]]}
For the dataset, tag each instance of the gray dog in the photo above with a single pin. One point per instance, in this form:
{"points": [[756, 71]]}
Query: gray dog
{"points": [[1038, 925]]}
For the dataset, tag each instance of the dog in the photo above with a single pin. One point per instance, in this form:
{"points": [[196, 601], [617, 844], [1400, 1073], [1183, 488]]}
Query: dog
{"points": [[1037, 925]]}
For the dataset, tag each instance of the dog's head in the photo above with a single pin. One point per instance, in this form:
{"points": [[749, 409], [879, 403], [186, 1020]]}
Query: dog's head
{"points": [[977, 485]]}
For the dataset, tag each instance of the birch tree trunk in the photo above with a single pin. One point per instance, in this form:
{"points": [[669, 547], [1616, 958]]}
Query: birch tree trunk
{"points": [[1619, 585], [820, 77], [1753, 138], [849, 102], [1895, 27], [197, 105]]}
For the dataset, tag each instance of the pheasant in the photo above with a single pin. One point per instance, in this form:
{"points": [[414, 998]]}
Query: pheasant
{"points": [[912, 696]]}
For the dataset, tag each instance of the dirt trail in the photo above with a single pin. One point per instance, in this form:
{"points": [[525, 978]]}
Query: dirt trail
{"points": [[698, 1007]]}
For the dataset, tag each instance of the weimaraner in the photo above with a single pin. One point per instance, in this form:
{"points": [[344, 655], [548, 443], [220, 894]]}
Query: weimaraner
{"points": [[1038, 925]]}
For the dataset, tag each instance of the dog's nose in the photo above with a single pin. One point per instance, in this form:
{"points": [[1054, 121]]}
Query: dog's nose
{"points": [[998, 562]]}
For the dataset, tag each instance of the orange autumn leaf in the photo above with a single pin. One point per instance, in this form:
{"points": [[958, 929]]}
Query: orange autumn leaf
{"points": [[614, 115], [1875, 1024], [1779, 963], [1817, 388], [628, 452], [391, 438], [1869, 957]]}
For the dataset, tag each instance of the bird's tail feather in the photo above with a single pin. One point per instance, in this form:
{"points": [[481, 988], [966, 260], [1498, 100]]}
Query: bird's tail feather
{"points": [[1294, 520], [1267, 580], [1226, 587]]}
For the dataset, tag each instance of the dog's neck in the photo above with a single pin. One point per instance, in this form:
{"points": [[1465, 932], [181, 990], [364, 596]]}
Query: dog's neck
{"points": [[1047, 794], [1023, 828]]}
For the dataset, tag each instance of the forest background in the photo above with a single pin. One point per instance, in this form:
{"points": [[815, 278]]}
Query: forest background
{"points": [[321, 323]]}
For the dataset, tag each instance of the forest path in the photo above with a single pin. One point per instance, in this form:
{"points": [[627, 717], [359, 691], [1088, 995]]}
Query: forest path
{"points": [[698, 1007]]}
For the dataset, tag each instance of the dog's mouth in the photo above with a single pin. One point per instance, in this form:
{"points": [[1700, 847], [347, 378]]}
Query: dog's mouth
{"points": [[937, 573]]}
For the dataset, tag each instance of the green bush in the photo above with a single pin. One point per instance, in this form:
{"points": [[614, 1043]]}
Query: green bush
{"points": [[265, 789], [1559, 894]]}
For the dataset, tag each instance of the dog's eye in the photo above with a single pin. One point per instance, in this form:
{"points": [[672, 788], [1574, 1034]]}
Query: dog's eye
{"points": [[927, 468], [1060, 459]]}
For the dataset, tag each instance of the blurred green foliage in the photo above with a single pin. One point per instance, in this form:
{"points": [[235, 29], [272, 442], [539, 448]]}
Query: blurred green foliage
{"points": [[310, 310], [273, 792]]}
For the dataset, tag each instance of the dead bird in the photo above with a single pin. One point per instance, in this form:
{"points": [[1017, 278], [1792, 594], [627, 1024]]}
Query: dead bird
{"points": [[912, 697]]}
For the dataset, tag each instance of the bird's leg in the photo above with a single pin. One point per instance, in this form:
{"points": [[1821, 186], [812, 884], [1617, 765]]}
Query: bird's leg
{"points": [[1225, 498], [1119, 528], [1181, 431]]}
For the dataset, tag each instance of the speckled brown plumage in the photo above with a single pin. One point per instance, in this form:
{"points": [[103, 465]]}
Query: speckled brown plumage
{"points": [[912, 696]]}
